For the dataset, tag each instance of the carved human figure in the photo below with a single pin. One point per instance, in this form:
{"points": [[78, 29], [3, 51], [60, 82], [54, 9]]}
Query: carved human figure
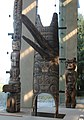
{"points": [[70, 83]]}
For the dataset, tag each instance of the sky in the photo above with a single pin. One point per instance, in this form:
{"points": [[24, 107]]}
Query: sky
{"points": [[6, 26], [6, 7], [81, 9], [46, 10]]}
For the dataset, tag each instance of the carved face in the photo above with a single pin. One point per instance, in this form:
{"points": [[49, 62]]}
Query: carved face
{"points": [[71, 66]]}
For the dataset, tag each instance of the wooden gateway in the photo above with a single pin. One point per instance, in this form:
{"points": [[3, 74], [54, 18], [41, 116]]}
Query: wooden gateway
{"points": [[46, 64]]}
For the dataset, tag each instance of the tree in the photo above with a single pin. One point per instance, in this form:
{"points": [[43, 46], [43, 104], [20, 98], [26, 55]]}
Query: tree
{"points": [[81, 52]]}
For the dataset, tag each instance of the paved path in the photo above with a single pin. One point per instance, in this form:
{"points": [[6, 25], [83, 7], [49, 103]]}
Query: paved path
{"points": [[71, 114]]}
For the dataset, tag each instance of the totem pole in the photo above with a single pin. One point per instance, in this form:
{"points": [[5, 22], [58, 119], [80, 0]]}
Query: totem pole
{"points": [[46, 65], [14, 86], [70, 77]]}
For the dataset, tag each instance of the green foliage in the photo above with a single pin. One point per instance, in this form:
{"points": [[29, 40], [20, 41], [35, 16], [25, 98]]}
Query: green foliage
{"points": [[81, 50], [81, 41]]}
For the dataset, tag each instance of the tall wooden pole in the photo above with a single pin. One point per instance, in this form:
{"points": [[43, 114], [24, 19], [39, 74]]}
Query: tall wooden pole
{"points": [[14, 86]]}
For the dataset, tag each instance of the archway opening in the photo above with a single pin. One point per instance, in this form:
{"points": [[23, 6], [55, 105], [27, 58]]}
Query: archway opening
{"points": [[45, 103]]}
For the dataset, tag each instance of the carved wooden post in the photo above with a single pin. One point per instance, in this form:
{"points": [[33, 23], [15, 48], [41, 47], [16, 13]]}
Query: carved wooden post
{"points": [[14, 86], [70, 76], [46, 63]]}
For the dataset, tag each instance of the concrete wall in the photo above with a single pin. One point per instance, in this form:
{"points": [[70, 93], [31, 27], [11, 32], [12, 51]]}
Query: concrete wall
{"points": [[71, 32], [27, 57]]}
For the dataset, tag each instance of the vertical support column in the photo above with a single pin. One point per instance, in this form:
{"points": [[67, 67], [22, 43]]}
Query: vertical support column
{"points": [[27, 56], [14, 86], [71, 34], [62, 45]]}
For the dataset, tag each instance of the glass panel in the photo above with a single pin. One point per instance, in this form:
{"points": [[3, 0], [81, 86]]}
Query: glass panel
{"points": [[45, 101]]}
